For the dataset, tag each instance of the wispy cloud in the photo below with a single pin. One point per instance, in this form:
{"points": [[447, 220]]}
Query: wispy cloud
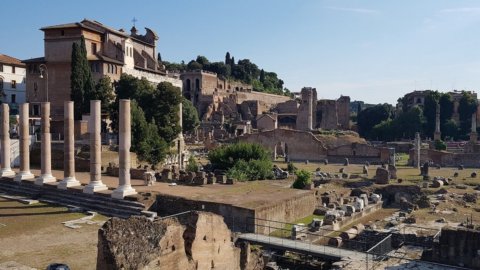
{"points": [[354, 10], [461, 10]]}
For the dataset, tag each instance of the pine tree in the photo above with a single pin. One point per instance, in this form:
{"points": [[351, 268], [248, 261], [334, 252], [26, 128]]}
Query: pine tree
{"points": [[227, 59], [76, 81]]}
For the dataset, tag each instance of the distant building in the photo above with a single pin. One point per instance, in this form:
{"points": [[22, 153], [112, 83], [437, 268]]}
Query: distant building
{"points": [[12, 82], [110, 53]]}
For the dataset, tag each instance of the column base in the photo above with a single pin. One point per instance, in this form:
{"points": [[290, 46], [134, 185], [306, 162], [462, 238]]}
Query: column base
{"points": [[7, 172], [23, 176], [45, 178], [68, 182], [94, 187], [122, 191]]}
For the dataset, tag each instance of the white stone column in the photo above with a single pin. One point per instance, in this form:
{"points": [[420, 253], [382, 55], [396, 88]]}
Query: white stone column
{"points": [[6, 170], [437, 135], [181, 141], [418, 146], [94, 128], [69, 179], [23, 124], [125, 187], [473, 133], [46, 147]]}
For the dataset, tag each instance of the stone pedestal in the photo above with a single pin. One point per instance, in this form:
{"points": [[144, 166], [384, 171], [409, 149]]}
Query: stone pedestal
{"points": [[46, 147], [6, 170], [125, 187], [94, 128], [24, 172], [69, 179]]}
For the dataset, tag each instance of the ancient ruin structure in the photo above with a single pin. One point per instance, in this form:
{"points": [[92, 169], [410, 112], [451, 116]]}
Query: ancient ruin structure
{"points": [[306, 117], [437, 135], [195, 240], [94, 128], [473, 133], [5, 142], [69, 179], [312, 113], [299, 145], [46, 148], [125, 188], [24, 139]]}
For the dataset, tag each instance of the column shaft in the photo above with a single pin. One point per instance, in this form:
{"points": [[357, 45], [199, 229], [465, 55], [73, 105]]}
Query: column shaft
{"points": [[6, 170], [24, 142], [125, 135], [45, 147], [94, 128], [68, 148]]}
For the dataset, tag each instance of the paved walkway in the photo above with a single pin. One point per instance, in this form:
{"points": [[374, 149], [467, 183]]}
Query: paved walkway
{"points": [[326, 252]]}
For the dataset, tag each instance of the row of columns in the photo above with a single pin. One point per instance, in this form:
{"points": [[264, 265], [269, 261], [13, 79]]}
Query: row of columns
{"points": [[69, 180]]}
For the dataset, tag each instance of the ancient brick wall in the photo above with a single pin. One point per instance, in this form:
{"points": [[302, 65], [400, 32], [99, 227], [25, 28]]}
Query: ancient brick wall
{"points": [[327, 110], [456, 247], [301, 145]]}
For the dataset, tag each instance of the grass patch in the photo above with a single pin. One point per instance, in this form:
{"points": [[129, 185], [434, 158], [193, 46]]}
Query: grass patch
{"points": [[286, 231]]}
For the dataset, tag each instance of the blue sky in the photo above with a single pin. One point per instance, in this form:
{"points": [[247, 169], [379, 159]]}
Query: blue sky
{"points": [[374, 51]]}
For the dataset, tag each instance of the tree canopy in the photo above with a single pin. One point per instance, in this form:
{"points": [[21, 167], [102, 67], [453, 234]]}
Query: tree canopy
{"points": [[244, 71]]}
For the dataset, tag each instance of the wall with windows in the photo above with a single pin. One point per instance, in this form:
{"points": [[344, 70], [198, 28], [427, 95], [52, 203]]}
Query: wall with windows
{"points": [[12, 85]]}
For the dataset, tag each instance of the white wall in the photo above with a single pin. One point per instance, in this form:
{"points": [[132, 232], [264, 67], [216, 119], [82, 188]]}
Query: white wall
{"points": [[19, 91]]}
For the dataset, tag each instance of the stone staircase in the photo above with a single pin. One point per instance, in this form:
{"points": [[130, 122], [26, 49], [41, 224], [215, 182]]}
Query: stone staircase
{"points": [[74, 198]]}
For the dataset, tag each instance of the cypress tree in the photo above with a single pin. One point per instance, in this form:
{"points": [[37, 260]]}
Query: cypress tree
{"points": [[76, 81], [88, 84], [232, 62], [227, 59], [159, 58], [262, 76]]}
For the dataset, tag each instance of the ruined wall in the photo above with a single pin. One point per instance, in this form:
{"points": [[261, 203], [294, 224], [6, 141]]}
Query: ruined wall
{"points": [[357, 153], [343, 112], [235, 217], [266, 122], [241, 219], [269, 99], [447, 158], [288, 211], [289, 106], [327, 112], [197, 240], [306, 117], [456, 247], [302, 145]]}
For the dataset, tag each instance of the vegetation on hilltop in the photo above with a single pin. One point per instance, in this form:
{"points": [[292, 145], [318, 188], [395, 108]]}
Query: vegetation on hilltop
{"points": [[244, 71], [381, 122]]}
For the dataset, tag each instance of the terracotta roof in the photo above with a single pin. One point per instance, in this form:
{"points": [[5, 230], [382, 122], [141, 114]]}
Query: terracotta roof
{"points": [[5, 59], [107, 59], [70, 25]]}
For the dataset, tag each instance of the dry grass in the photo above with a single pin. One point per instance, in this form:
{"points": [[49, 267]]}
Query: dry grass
{"points": [[34, 235]]}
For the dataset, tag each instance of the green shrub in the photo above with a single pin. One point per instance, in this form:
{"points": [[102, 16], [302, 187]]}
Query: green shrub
{"points": [[225, 157], [440, 145], [243, 161], [291, 168], [251, 170], [192, 165], [304, 178]]}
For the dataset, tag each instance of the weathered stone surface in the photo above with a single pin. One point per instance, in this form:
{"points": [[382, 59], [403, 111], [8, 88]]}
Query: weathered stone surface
{"points": [[346, 162], [382, 176], [198, 240], [365, 170], [393, 171]]}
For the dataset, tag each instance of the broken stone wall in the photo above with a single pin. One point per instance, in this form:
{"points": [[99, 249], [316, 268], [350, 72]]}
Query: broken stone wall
{"points": [[456, 247], [197, 240]]}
